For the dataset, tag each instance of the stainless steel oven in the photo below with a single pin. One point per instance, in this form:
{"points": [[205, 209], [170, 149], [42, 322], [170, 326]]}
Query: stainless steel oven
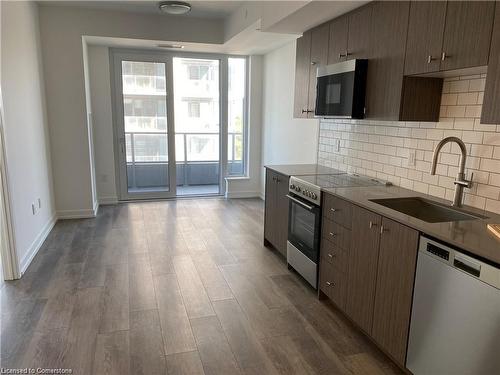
{"points": [[304, 225]]}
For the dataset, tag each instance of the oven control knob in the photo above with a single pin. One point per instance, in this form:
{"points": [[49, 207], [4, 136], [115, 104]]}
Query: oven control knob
{"points": [[314, 196], [292, 187], [297, 189]]}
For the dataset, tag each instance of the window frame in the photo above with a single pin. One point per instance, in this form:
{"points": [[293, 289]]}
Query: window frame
{"points": [[246, 126], [116, 55]]}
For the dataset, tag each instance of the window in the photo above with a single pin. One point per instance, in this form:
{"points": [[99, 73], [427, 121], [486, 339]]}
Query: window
{"points": [[237, 127], [199, 72], [194, 109]]}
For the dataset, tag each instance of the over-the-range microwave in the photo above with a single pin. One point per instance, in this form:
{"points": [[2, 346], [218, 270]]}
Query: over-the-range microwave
{"points": [[340, 89]]}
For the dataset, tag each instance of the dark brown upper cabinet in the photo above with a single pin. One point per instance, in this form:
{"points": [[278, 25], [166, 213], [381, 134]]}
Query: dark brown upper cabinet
{"points": [[337, 46], [319, 57], [425, 37], [311, 52], [359, 34], [302, 68], [467, 34], [491, 107], [386, 62], [350, 36]]}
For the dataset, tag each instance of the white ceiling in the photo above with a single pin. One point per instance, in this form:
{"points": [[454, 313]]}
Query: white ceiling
{"points": [[261, 26], [200, 9]]}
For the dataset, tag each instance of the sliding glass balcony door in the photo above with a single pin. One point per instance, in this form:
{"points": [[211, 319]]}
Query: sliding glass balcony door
{"points": [[144, 119], [168, 125]]}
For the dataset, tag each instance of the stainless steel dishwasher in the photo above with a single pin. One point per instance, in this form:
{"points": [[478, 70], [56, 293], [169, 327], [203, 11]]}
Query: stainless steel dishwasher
{"points": [[455, 321]]}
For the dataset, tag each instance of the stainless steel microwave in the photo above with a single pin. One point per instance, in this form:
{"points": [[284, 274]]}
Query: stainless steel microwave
{"points": [[340, 89]]}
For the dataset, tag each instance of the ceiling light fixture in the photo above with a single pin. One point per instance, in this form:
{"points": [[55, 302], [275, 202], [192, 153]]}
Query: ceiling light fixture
{"points": [[174, 7]]}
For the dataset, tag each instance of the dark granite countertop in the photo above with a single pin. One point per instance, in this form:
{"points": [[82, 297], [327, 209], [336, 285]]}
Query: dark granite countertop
{"points": [[472, 236], [301, 169]]}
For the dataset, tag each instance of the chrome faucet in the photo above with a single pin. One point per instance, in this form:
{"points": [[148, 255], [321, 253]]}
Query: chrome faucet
{"points": [[460, 182]]}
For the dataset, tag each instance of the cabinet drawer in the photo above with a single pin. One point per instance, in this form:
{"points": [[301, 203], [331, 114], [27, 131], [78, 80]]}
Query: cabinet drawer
{"points": [[338, 210], [336, 234], [334, 255], [333, 284]]}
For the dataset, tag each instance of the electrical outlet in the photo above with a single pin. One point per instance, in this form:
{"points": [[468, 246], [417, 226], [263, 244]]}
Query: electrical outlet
{"points": [[412, 159], [39, 203]]}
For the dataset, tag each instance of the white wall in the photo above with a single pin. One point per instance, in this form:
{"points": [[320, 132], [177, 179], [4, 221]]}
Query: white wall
{"points": [[100, 92], [68, 111], [285, 140], [26, 130]]}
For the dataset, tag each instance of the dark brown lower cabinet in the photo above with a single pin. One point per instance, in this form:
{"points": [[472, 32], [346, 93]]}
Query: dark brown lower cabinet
{"points": [[333, 283], [394, 289], [372, 278], [276, 210], [363, 258]]}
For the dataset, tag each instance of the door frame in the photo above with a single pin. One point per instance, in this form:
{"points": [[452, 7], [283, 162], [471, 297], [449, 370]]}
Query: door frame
{"points": [[10, 262], [116, 55]]}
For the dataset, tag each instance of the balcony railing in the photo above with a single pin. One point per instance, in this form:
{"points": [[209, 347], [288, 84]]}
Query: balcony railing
{"points": [[150, 170]]}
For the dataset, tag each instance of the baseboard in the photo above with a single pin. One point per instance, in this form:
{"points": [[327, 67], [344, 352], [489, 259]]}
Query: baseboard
{"points": [[108, 200], [77, 214], [37, 244], [242, 194]]}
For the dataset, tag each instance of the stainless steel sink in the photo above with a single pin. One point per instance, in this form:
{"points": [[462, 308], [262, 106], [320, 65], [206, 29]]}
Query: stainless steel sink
{"points": [[427, 210]]}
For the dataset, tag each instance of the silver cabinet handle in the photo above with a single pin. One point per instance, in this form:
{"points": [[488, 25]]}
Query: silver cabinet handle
{"points": [[334, 209], [443, 56], [329, 283], [313, 62], [430, 58], [333, 234], [372, 224], [382, 229], [307, 111], [331, 255]]}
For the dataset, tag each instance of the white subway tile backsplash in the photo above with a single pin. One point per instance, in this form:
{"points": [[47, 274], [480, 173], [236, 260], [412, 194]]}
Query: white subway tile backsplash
{"points": [[461, 86], [382, 148]]}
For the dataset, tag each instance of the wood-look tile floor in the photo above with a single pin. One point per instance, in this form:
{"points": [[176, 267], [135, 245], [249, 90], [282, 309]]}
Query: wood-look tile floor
{"points": [[174, 287]]}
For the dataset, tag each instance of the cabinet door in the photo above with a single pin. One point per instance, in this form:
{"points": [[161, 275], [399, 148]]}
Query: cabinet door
{"points": [[337, 44], [385, 67], [302, 69], [395, 278], [467, 34], [362, 274], [270, 208], [425, 36], [491, 109], [359, 40], [319, 56], [281, 219]]}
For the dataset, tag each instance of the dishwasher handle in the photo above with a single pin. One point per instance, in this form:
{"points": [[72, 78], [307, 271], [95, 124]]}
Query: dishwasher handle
{"points": [[467, 266]]}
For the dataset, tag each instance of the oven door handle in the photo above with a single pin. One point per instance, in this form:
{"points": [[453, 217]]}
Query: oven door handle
{"points": [[298, 201]]}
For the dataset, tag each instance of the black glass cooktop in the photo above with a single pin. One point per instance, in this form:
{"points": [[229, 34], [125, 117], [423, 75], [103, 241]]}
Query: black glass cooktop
{"points": [[342, 180]]}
